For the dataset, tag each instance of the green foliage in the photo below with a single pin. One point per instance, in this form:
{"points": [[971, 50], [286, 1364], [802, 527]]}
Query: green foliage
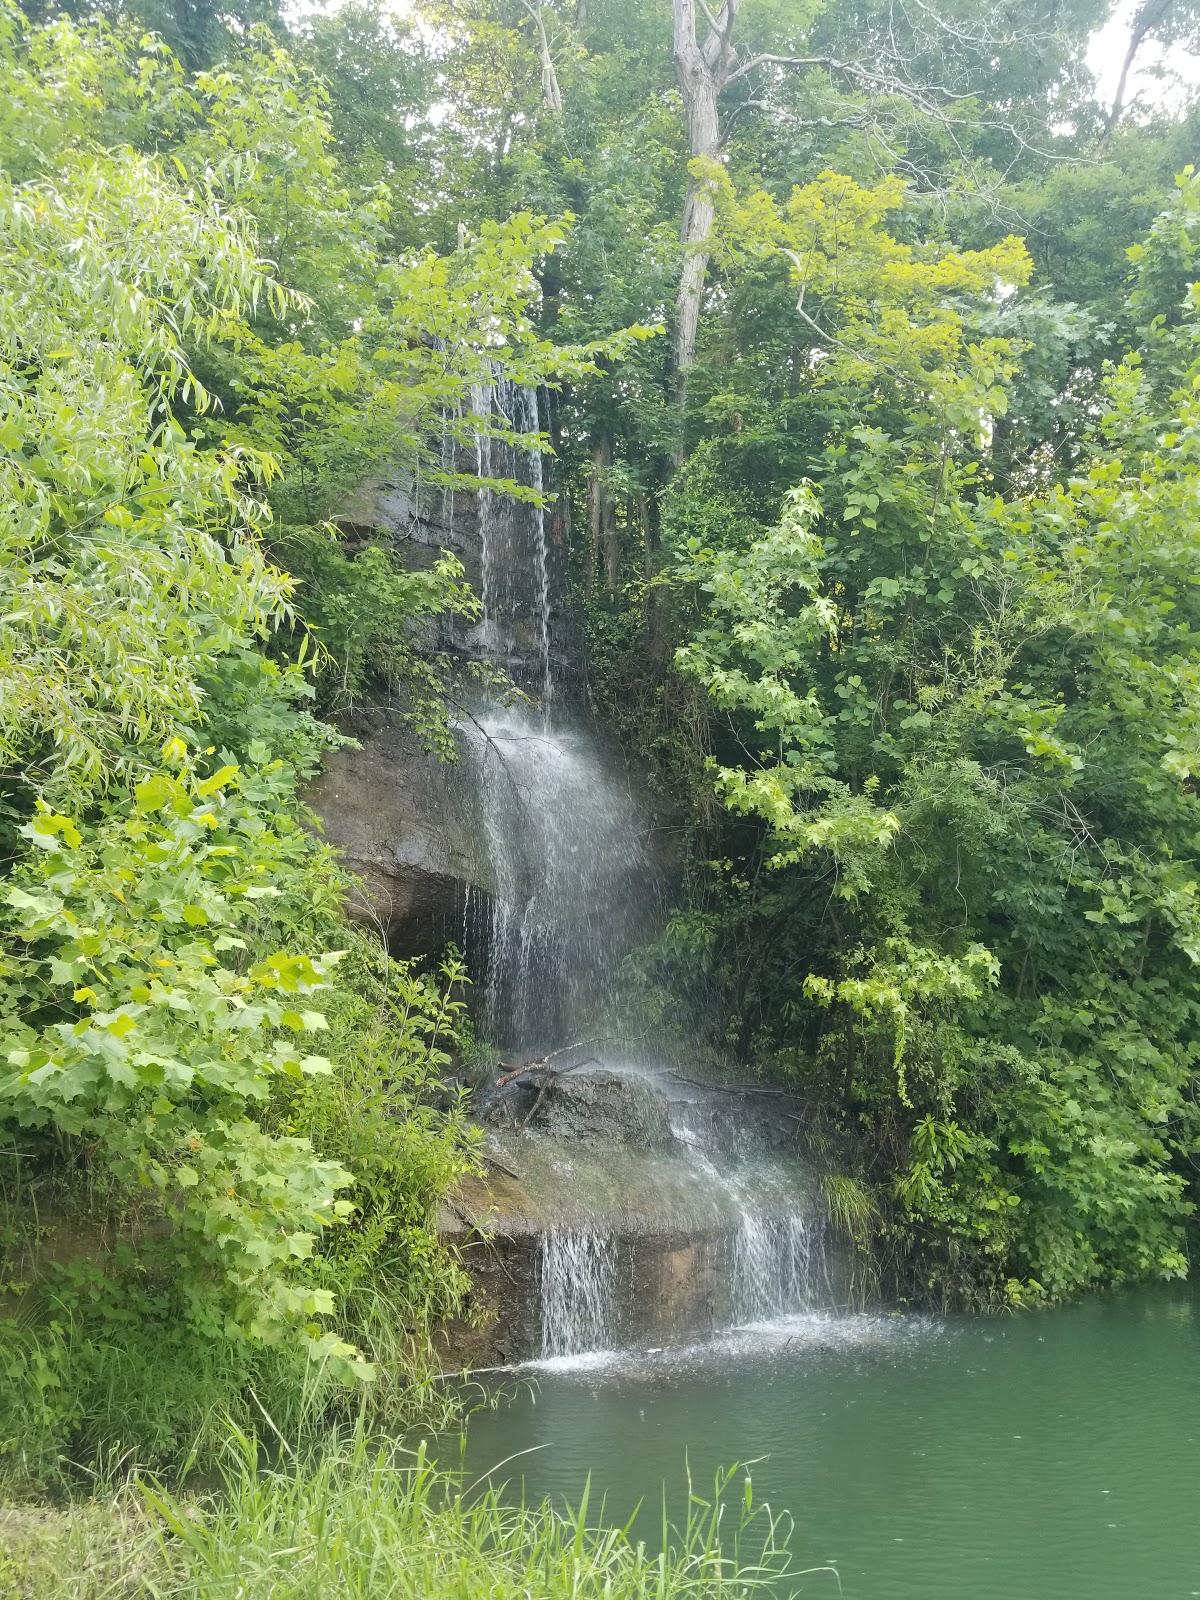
{"points": [[969, 727], [118, 1349], [144, 1005], [178, 1227], [137, 1026], [386, 1116], [129, 559], [367, 1514]]}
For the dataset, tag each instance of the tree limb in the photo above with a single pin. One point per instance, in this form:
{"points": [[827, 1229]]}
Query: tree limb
{"points": [[1145, 20], [544, 1061], [551, 92]]}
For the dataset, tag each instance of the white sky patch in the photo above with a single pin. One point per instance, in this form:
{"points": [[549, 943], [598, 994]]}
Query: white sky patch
{"points": [[1160, 77], [298, 10], [1166, 78]]}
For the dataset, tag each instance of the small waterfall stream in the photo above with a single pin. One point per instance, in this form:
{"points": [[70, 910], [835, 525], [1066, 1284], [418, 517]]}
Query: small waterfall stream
{"points": [[572, 882], [773, 1267], [571, 886], [578, 1284]]}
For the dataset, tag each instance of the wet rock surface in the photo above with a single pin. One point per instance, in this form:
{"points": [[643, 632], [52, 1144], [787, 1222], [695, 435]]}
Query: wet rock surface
{"points": [[598, 1110], [403, 824], [615, 1177]]}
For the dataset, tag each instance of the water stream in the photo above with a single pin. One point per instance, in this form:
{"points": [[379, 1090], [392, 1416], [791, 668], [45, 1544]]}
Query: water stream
{"points": [[578, 1283], [572, 884]]}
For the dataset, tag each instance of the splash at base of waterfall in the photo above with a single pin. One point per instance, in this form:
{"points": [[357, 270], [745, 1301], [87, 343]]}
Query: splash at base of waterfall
{"points": [[817, 1331], [764, 1269]]}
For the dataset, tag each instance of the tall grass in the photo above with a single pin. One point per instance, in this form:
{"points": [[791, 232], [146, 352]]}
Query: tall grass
{"points": [[853, 1214], [369, 1520]]}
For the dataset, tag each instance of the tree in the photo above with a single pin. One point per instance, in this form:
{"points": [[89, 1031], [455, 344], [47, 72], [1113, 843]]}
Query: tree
{"points": [[969, 763], [1167, 23]]}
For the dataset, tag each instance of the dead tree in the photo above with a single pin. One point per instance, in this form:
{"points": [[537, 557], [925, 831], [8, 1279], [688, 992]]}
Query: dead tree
{"points": [[551, 92]]}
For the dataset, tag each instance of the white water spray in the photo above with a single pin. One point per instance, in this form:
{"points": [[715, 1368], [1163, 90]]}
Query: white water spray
{"points": [[578, 1270]]}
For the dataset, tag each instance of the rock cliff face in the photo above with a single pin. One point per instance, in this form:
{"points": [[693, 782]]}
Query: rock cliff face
{"points": [[409, 824], [390, 809], [536, 851], [402, 822]]}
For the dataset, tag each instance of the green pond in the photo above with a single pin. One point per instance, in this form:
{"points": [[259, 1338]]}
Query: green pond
{"points": [[1048, 1456]]}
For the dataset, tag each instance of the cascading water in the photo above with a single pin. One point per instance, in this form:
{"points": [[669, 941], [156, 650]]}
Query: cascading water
{"points": [[775, 1257], [578, 1283], [571, 880], [571, 885], [514, 630], [772, 1269]]}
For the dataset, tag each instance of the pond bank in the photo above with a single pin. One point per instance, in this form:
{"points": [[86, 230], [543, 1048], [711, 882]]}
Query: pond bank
{"points": [[366, 1519]]}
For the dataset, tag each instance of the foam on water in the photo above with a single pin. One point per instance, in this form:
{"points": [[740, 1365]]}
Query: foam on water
{"points": [[804, 1334]]}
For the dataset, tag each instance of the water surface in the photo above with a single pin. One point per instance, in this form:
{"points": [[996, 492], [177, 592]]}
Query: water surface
{"points": [[1051, 1456]]}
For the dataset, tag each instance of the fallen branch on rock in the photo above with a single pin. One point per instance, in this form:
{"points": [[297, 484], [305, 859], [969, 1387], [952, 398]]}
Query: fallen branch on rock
{"points": [[499, 1165], [532, 1112], [544, 1061]]}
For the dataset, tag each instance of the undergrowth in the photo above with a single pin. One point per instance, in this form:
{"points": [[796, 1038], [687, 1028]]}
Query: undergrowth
{"points": [[364, 1519], [103, 1356]]}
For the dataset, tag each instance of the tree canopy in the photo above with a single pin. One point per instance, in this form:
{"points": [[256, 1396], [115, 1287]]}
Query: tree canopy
{"points": [[870, 340]]}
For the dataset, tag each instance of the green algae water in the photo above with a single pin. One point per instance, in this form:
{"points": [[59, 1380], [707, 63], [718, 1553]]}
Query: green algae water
{"points": [[1050, 1456]]}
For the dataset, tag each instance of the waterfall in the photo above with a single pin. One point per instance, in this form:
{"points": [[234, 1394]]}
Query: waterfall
{"points": [[566, 885], [578, 1281], [543, 565], [570, 882], [775, 1257], [772, 1268], [515, 628]]}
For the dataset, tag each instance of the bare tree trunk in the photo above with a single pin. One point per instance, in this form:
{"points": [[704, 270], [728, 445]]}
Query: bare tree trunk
{"points": [[612, 550], [703, 140], [645, 517], [1147, 19], [551, 92], [703, 70]]}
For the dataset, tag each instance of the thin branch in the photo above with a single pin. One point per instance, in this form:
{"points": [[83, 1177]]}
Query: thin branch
{"points": [[708, 17], [779, 61], [544, 1061], [536, 1106], [499, 1165], [551, 92]]}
